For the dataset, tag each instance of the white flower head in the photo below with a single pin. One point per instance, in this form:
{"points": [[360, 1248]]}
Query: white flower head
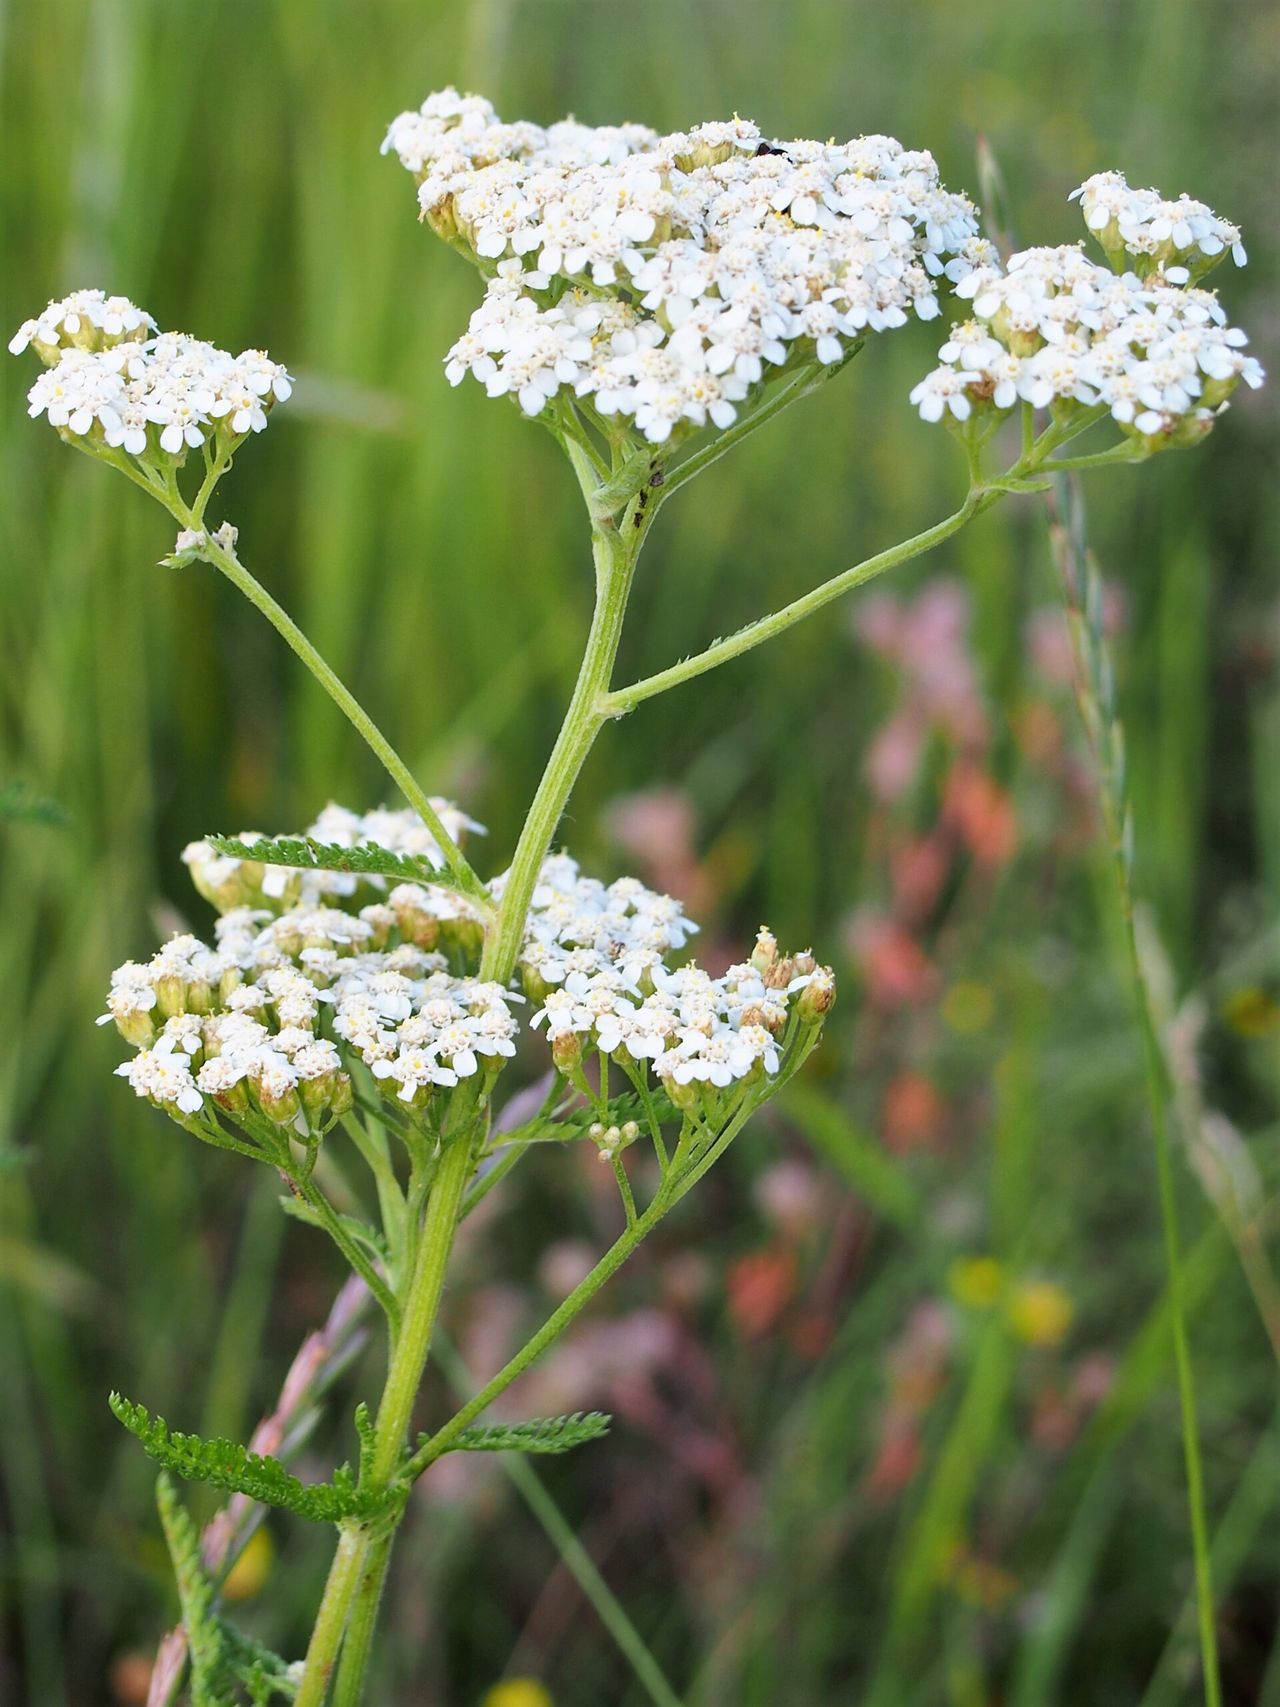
{"points": [[113, 384], [1056, 330], [666, 277], [1181, 238]]}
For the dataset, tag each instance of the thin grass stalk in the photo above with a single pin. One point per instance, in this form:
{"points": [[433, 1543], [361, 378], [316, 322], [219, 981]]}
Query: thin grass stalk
{"points": [[1082, 592]]}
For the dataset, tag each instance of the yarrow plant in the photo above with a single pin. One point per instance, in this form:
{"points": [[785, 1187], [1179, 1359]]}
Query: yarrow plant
{"points": [[650, 300]]}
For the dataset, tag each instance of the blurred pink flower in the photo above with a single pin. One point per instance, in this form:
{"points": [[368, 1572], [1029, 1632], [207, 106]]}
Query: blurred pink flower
{"points": [[982, 813], [895, 968], [760, 1287], [793, 1196], [913, 1113], [658, 827]]}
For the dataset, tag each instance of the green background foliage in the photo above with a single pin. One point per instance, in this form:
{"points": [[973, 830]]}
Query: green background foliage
{"points": [[218, 163]]}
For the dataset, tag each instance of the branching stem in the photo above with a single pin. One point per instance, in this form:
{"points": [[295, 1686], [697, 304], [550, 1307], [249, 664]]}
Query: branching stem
{"points": [[226, 560]]}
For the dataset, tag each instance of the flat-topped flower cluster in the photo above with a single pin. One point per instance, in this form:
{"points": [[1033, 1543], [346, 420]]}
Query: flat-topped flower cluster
{"points": [[312, 972], [658, 279], [1055, 329], [112, 381], [595, 958]]}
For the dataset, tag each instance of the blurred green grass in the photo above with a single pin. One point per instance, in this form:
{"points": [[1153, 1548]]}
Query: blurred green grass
{"points": [[218, 162]]}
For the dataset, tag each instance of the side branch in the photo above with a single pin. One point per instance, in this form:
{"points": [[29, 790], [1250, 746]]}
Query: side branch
{"points": [[623, 700], [459, 867]]}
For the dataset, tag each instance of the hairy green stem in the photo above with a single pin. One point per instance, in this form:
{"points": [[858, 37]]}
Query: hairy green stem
{"points": [[425, 1291], [615, 550], [350, 1578], [357, 1646], [622, 700], [331, 1621], [456, 862], [551, 1329]]}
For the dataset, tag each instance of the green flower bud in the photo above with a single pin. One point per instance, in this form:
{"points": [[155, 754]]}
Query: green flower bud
{"points": [[276, 1095], [818, 996], [612, 1140]]}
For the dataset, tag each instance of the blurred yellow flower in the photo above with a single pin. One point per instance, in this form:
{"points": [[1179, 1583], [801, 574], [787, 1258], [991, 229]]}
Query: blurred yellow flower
{"points": [[1040, 1312], [968, 1007], [976, 1281], [1251, 1012], [251, 1570], [518, 1692], [979, 1582]]}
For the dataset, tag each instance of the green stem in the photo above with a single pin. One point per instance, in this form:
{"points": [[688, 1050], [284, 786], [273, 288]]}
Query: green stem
{"points": [[459, 868], [804, 381], [1124, 452], [615, 549], [356, 1259], [1081, 591], [425, 1290], [622, 700], [608, 1608], [502, 1166], [331, 1621], [357, 1646], [349, 1574], [1155, 1068], [551, 1329], [372, 1145]]}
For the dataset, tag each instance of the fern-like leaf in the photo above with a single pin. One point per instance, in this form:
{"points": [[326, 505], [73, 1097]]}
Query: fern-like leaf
{"points": [[540, 1434], [195, 1594], [303, 853], [262, 1672], [228, 1465]]}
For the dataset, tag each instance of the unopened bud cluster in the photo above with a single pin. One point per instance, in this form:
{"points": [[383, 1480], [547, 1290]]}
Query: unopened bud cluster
{"points": [[658, 280], [1059, 331], [112, 383]]}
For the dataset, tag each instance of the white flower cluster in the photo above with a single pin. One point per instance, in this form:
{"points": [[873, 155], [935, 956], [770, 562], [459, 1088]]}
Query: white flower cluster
{"points": [[578, 925], [1054, 329], [87, 320], [308, 980], [109, 383], [691, 1028], [203, 1032], [659, 278], [1182, 238], [228, 882], [242, 1027], [417, 1027]]}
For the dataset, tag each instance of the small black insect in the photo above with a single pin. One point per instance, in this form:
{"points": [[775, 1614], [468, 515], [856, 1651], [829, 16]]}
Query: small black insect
{"points": [[768, 148]]}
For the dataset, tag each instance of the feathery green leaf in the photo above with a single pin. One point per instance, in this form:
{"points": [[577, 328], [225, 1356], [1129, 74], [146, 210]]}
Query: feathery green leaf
{"points": [[195, 1593], [305, 854], [226, 1464], [539, 1434]]}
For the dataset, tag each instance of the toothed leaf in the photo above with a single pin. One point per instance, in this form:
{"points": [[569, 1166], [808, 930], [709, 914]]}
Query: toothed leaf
{"points": [[195, 1594], [303, 853], [540, 1434], [228, 1465]]}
